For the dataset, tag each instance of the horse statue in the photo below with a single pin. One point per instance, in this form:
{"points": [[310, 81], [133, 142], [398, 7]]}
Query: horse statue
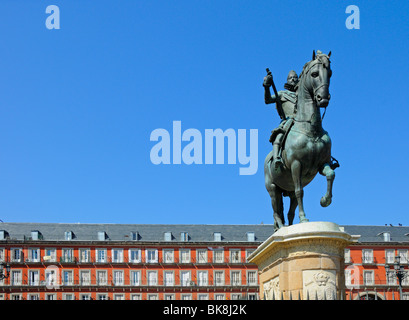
{"points": [[307, 146]]}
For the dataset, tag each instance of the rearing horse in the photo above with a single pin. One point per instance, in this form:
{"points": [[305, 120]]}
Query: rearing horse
{"points": [[307, 148]]}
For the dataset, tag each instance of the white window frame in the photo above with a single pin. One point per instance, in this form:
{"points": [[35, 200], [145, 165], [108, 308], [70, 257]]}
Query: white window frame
{"points": [[85, 281], [2, 255], [67, 255], [101, 255], [218, 256], [168, 255], [186, 296], [168, 296], [84, 255], [168, 278], [185, 278], [347, 255], [184, 256], [117, 255], [33, 255], [235, 255], [403, 254], [16, 277], [102, 277], [201, 256], [152, 277], [136, 296], [36, 274], [389, 256], [118, 277], [202, 278], [66, 295], [367, 256], [16, 255], [369, 277], [151, 255], [102, 296], [202, 296], [252, 277], [219, 296], [51, 256], [219, 278], [69, 280], [136, 277], [132, 258], [235, 278]]}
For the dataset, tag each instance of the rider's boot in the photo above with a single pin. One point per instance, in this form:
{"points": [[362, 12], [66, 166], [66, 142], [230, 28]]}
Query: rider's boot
{"points": [[277, 161]]}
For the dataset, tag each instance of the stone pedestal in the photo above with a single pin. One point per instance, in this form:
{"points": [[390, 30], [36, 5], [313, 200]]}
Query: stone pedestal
{"points": [[303, 261]]}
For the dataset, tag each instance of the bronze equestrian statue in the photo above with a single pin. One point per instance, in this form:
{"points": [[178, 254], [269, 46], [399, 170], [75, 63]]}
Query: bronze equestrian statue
{"points": [[302, 148]]}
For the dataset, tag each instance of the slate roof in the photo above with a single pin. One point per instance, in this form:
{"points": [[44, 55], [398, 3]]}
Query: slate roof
{"points": [[196, 232]]}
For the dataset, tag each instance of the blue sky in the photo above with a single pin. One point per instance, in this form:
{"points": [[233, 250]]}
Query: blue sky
{"points": [[78, 105]]}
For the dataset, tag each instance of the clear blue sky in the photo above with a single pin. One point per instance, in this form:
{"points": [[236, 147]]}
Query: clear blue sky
{"points": [[78, 105]]}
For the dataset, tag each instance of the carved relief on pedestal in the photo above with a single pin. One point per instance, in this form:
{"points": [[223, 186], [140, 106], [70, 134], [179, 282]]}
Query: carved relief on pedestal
{"points": [[319, 284], [272, 289]]}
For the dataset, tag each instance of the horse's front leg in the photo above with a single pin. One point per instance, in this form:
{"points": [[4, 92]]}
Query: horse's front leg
{"points": [[330, 174], [296, 172]]}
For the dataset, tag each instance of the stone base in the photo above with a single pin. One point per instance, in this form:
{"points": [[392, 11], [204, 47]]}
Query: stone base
{"points": [[303, 261]]}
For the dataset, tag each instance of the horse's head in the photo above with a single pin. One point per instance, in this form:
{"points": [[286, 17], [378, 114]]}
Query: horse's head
{"points": [[316, 77]]}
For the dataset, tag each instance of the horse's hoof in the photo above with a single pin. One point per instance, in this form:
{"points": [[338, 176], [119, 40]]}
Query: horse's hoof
{"points": [[325, 201], [304, 220]]}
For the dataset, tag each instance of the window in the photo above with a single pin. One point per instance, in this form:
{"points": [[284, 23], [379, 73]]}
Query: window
{"points": [[3, 234], [134, 236], [135, 278], [184, 236], [84, 255], [118, 276], [33, 255], [169, 278], [168, 256], [136, 297], [134, 255], [185, 278], [219, 278], [184, 255], [16, 255], [403, 254], [68, 235], [391, 278], [235, 278], [249, 252], [119, 297], [235, 296], [203, 296], [251, 236], [389, 256], [85, 296], [386, 236], [68, 296], [33, 296], [67, 255], [202, 279], [2, 257], [235, 255], [117, 255], [217, 236], [16, 277], [151, 255], [50, 255], [67, 277], [169, 296], [50, 296], [36, 235], [251, 278], [51, 277], [34, 277], [368, 277], [101, 255], [85, 277], [347, 255], [168, 236], [102, 236], [152, 278], [367, 256], [186, 296], [152, 296], [201, 256], [219, 296], [102, 277], [102, 296], [218, 256]]}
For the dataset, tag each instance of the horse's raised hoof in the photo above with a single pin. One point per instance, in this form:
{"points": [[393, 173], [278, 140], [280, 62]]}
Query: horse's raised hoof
{"points": [[325, 201], [304, 220]]}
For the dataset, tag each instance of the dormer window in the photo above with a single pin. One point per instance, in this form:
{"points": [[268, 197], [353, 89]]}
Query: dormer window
{"points": [[102, 236], [184, 236], [3, 235], [217, 236], [251, 236], [36, 235], [168, 236], [68, 235]]}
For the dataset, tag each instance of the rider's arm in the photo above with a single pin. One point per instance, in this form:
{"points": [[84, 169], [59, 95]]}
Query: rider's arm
{"points": [[268, 98]]}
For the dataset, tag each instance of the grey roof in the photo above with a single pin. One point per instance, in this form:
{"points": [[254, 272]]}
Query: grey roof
{"points": [[196, 232], [146, 232]]}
